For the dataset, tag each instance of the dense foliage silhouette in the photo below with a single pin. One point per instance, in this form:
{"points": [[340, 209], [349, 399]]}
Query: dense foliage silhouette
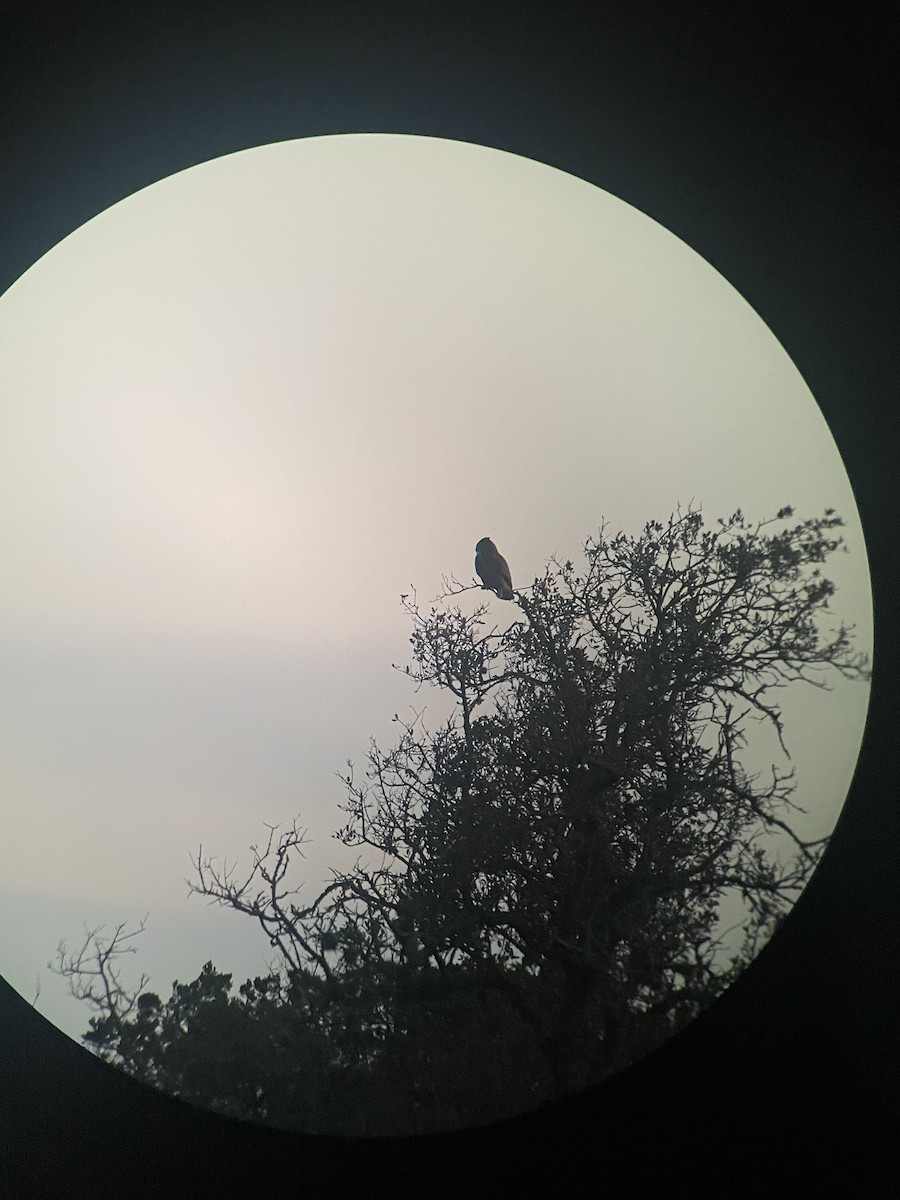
{"points": [[538, 899]]}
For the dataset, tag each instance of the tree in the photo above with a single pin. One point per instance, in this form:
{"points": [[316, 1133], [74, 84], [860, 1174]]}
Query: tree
{"points": [[553, 857]]}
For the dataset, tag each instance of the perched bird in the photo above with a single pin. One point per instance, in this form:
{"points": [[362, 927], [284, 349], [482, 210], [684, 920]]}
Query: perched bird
{"points": [[492, 569]]}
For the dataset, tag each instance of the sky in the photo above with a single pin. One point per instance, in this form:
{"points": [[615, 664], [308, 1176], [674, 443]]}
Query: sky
{"points": [[244, 409]]}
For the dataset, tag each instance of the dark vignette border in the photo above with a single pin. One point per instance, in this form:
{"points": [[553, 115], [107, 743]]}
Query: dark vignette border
{"points": [[762, 143]]}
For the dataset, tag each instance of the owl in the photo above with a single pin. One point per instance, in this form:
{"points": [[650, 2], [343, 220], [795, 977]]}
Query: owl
{"points": [[492, 569]]}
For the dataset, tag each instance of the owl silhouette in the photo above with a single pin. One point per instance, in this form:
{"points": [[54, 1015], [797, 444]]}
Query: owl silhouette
{"points": [[492, 569]]}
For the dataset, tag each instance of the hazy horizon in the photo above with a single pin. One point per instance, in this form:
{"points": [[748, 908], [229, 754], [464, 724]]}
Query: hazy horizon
{"points": [[246, 408]]}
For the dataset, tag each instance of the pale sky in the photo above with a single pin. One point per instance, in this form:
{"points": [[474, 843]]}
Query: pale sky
{"points": [[244, 409]]}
